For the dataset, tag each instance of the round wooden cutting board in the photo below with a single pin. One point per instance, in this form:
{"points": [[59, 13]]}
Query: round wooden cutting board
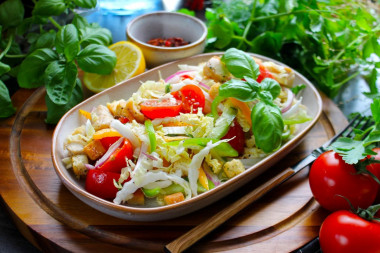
{"points": [[53, 219]]}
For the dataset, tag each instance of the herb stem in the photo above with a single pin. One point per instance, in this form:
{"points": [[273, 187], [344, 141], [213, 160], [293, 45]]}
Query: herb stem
{"points": [[9, 44], [347, 79], [248, 26], [15, 55], [55, 23]]}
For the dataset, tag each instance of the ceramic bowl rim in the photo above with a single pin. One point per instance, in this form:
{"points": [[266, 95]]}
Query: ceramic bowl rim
{"points": [[190, 45]]}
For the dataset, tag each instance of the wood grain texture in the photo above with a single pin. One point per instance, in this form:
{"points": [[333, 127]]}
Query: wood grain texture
{"points": [[54, 220]]}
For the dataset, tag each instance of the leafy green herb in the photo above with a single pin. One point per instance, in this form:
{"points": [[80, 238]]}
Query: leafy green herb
{"points": [[330, 42], [52, 56], [267, 122], [353, 150], [298, 88]]}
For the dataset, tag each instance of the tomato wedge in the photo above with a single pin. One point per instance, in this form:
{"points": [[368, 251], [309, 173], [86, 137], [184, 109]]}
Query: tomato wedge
{"points": [[191, 96], [236, 132], [264, 73], [117, 159], [100, 183], [156, 108]]}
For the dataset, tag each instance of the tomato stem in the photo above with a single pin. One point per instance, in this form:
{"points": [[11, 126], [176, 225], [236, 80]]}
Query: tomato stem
{"points": [[361, 168]]}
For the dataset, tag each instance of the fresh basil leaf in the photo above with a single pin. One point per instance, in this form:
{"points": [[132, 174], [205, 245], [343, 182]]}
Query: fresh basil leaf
{"points": [[267, 126], [238, 89], [4, 68], [11, 13], [240, 64], [33, 67], [272, 86], [88, 4], [60, 81], [267, 43], [222, 30], [90, 35], [79, 22], [97, 59], [55, 111], [6, 106], [47, 8], [45, 40], [67, 41]]}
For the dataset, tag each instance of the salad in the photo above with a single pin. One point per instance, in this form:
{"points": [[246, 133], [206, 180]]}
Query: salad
{"points": [[186, 134]]}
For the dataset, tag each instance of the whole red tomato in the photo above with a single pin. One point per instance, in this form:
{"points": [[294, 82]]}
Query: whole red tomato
{"points": [[375, 167], [344, 231], [330, 177]]}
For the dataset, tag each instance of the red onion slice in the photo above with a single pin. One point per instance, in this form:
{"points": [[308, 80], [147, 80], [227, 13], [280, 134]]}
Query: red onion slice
{"points": [[204, 86], [211, 176], [177, 74], [149, 156], [110, 150], [289, 101]]}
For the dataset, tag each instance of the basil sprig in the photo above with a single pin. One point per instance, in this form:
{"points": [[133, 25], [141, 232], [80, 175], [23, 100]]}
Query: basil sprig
{"points": [[267, 122], [42, 56]]}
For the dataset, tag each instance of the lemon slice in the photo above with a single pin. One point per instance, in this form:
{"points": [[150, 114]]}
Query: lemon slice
{"points": [[130, 62]]}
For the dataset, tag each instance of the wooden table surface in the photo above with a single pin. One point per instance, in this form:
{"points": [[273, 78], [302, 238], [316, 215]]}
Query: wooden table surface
{"points": [[52, 219]]}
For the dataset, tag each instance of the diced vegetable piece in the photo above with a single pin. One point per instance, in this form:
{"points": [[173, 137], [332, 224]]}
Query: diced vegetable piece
{"points": [[86, 114], [117, 159], [202, 178], [152, 136], [151, 193], [244, 109], [107, 132], [108, 141], [94, 149], [174, 198], [223, 149], [138, 198], [79, 167], [173, 188], [222, 124]]}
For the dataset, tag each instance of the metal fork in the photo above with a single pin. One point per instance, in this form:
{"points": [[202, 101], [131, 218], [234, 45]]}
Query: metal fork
{"points": [[183, 242]]}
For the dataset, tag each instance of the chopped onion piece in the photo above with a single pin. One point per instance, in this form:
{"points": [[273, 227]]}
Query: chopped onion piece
{"points": [[292, 109], [174, 130], [126, 132], [289, 101], [149, 156], [89, 166], [110, 150]]}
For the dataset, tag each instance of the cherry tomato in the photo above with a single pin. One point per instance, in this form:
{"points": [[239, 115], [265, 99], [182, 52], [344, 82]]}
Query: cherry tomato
{"points": [[344, 231], [117, 159], [330, 176], [375, 169], [238, 142], [108, 141], [191, 96], [156, 108], [264, 73], [100, 183]]}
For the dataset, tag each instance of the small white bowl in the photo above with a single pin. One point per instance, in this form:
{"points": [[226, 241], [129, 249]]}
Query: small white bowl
{"points": [[163, 24]]}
